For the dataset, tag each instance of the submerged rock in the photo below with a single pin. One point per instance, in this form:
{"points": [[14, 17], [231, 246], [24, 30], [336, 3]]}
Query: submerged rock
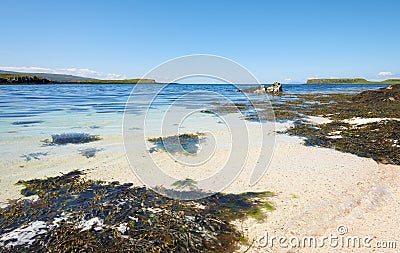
{"points": [[89, 152], [177, 143], [27, 122], [35, 156], [71, 138]]}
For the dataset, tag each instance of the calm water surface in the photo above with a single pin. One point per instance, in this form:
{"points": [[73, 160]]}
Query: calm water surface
{"points": [[30, 113], [22, 102]]}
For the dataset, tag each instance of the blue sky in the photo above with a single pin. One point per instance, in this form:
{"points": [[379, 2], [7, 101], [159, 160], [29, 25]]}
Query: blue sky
{"points": [[283, 40]]}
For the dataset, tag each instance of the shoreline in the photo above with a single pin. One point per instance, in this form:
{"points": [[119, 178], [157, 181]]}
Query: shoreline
{"points": [[316, 189]]}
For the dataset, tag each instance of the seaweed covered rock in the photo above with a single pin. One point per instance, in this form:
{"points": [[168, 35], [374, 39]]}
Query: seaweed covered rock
{"points": [[73, 214], [377, 140], [389, 94]]}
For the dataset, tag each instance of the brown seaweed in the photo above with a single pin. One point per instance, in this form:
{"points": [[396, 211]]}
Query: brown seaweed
{"points": [[379, 140], [86, 215]]}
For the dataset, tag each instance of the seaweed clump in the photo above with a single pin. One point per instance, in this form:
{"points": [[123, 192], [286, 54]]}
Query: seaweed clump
{"points": [[71, 138], [177, 143], [378, 140], [75, 214]]}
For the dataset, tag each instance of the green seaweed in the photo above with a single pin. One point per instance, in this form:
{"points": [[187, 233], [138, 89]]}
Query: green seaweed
{"points": [[294, 196], [256, 213], [269, 207]]}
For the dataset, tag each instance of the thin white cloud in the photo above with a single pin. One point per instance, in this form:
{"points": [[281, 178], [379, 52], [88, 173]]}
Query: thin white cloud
{"points": [[293, 81], [67, 71], [385, 73], [28, 69]]}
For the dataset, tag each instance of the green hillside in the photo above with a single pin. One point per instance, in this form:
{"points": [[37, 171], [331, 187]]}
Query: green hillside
{"points": [[51, 77], [23, 79]]}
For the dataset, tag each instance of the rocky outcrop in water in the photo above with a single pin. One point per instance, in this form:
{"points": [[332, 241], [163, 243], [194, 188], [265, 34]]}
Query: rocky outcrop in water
{"points": [[262, 89]]}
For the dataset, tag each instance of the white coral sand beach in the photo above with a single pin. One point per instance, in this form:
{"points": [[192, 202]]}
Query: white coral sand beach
{"points": [[317, 189]]}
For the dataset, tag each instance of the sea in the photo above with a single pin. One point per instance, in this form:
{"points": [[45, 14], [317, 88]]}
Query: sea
{"points": [[31, 114]]}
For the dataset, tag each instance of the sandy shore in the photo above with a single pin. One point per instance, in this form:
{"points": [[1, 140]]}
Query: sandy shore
{"points": [[317, 189], [322, 190]]}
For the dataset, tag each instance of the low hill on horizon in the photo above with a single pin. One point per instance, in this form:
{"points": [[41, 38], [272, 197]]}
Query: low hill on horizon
{"points": [[48, 76], [350, 81], [10, 77]]}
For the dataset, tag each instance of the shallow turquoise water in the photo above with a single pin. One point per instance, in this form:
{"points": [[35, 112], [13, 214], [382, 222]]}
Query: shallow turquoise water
{"points": [[31, 113]]}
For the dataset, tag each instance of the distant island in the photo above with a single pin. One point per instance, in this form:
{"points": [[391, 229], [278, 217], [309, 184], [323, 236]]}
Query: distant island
{"points": [[350, 81]]}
